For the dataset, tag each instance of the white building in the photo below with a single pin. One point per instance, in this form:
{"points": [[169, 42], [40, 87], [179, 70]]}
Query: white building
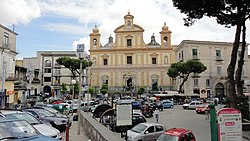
{"points": [[216, 57], [7, 65]]}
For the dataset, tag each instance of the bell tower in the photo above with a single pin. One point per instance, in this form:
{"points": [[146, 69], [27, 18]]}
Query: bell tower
{"points": [[95, 39], [165, 37]]}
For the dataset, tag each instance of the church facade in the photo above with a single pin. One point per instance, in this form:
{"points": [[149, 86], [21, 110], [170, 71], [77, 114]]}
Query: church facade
{"points": [[127, 63]]}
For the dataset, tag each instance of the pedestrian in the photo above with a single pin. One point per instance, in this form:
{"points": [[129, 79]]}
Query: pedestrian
{"points": [[157, 112], [207, 112]]}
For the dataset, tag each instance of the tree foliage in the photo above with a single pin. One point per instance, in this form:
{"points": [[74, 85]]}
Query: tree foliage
{"points": [[64, 88], [140, 91], [104, 89], [73, 64], [91, 90], [184, 69], [228, 13]]}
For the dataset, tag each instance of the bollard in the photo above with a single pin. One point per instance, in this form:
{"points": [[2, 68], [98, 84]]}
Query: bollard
{"points": [[67, 132], [213, 123]]}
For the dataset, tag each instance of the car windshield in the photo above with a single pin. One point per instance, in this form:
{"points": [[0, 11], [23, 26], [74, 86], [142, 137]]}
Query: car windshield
{"points": [[51, 110], [45, 113], [25, 116], [166, 137], [139, 128], [16, 130]]}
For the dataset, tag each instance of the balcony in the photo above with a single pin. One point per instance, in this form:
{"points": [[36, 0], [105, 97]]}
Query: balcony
{"points": [[196, 75]]}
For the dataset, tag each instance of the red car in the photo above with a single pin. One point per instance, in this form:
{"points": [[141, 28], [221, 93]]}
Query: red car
{"points": [[177, 134], [202, 109]]}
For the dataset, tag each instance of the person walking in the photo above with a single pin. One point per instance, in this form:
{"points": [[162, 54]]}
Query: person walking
{"points": [[157, 112]]}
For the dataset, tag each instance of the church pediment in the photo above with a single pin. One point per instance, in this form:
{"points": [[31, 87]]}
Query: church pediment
{"points": [[133, 28]]}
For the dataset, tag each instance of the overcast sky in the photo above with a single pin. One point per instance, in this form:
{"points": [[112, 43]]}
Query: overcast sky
{"points": [[61, 24]]}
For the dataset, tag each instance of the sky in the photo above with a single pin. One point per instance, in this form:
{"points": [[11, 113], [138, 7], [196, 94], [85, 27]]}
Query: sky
{"points": [[59, 25]]}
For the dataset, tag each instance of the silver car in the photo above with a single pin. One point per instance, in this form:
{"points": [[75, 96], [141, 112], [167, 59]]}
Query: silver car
{"points": [[43, 128], [145, 132]]}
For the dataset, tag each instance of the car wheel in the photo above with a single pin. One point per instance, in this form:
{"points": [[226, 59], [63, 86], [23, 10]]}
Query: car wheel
{"points": [[171, 106]]}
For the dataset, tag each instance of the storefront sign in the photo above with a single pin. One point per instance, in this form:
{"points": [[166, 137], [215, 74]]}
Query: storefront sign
{"points": [[10, 92], [229, 125]]}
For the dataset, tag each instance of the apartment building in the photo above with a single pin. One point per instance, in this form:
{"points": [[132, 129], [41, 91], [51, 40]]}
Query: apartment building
{"points": [[7, 65], [216, 57]]}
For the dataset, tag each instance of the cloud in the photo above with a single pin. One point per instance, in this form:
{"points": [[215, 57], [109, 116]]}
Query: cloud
{"points": [[19, 11], [66, 28]]}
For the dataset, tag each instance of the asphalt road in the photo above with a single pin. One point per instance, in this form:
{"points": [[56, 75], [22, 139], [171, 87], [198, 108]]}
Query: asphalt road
{"points": [[178, 117]]}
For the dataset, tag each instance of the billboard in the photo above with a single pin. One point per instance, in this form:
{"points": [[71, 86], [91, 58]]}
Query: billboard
{"points": [[124, 114]]}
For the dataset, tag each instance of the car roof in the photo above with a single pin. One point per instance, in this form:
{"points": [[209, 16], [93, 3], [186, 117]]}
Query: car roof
{"points": [[151, 124], [176, 131], [9, 111], [11, 119]]}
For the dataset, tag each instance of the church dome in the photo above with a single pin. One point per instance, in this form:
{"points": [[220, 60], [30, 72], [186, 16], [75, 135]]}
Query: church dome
{"points": [[95, 30], [165, 27]]}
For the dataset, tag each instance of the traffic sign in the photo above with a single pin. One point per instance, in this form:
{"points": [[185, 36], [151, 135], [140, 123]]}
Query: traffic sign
{"points": [[229, 124]]}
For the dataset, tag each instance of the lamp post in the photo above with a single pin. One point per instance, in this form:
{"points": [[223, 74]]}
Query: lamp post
{"points": [[29, 75], [73, 82], [79, 54]]}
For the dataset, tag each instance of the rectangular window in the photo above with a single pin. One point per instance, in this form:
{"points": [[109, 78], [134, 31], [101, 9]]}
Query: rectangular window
{"points": [[47, 70], [47, 79], [105, 62], [182, 56], [218, 70], [153, 60], [196, 83], [207, 82], [129, 59], [195, 53], [6, 39], [129, 42], [218, 54]]}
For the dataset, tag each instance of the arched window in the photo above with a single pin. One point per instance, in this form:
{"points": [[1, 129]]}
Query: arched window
{"points": [[94, 42], [154, 79], [165, 41], [47, 63]]}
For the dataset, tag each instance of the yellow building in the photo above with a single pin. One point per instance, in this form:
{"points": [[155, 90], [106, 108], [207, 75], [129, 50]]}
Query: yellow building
{"points": [[128, 63]]}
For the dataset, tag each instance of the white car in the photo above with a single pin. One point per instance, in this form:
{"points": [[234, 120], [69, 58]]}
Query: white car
{"points": [[192, 105], [145, 132], [43, 128]]}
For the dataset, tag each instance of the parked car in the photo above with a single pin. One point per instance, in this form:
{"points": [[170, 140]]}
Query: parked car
{"points": [[136, 105], [137, 118], [54, 111], [158, 105], [145, 132], [167, 103], [192, 105], [43, 128], [46, 116], [202, 108], [20, 130], [63, 108], [177, 134]]}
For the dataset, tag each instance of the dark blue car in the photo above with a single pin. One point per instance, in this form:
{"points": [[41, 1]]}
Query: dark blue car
{"points": [[136, 105], [20, 130]]}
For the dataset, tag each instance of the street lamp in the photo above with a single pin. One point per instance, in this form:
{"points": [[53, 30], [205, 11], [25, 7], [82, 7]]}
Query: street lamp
{"points": [[79, 54], [29, 75], [73, 82]]}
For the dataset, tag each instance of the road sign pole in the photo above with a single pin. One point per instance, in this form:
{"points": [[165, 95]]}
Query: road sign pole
{"points": [[213, 123]]}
